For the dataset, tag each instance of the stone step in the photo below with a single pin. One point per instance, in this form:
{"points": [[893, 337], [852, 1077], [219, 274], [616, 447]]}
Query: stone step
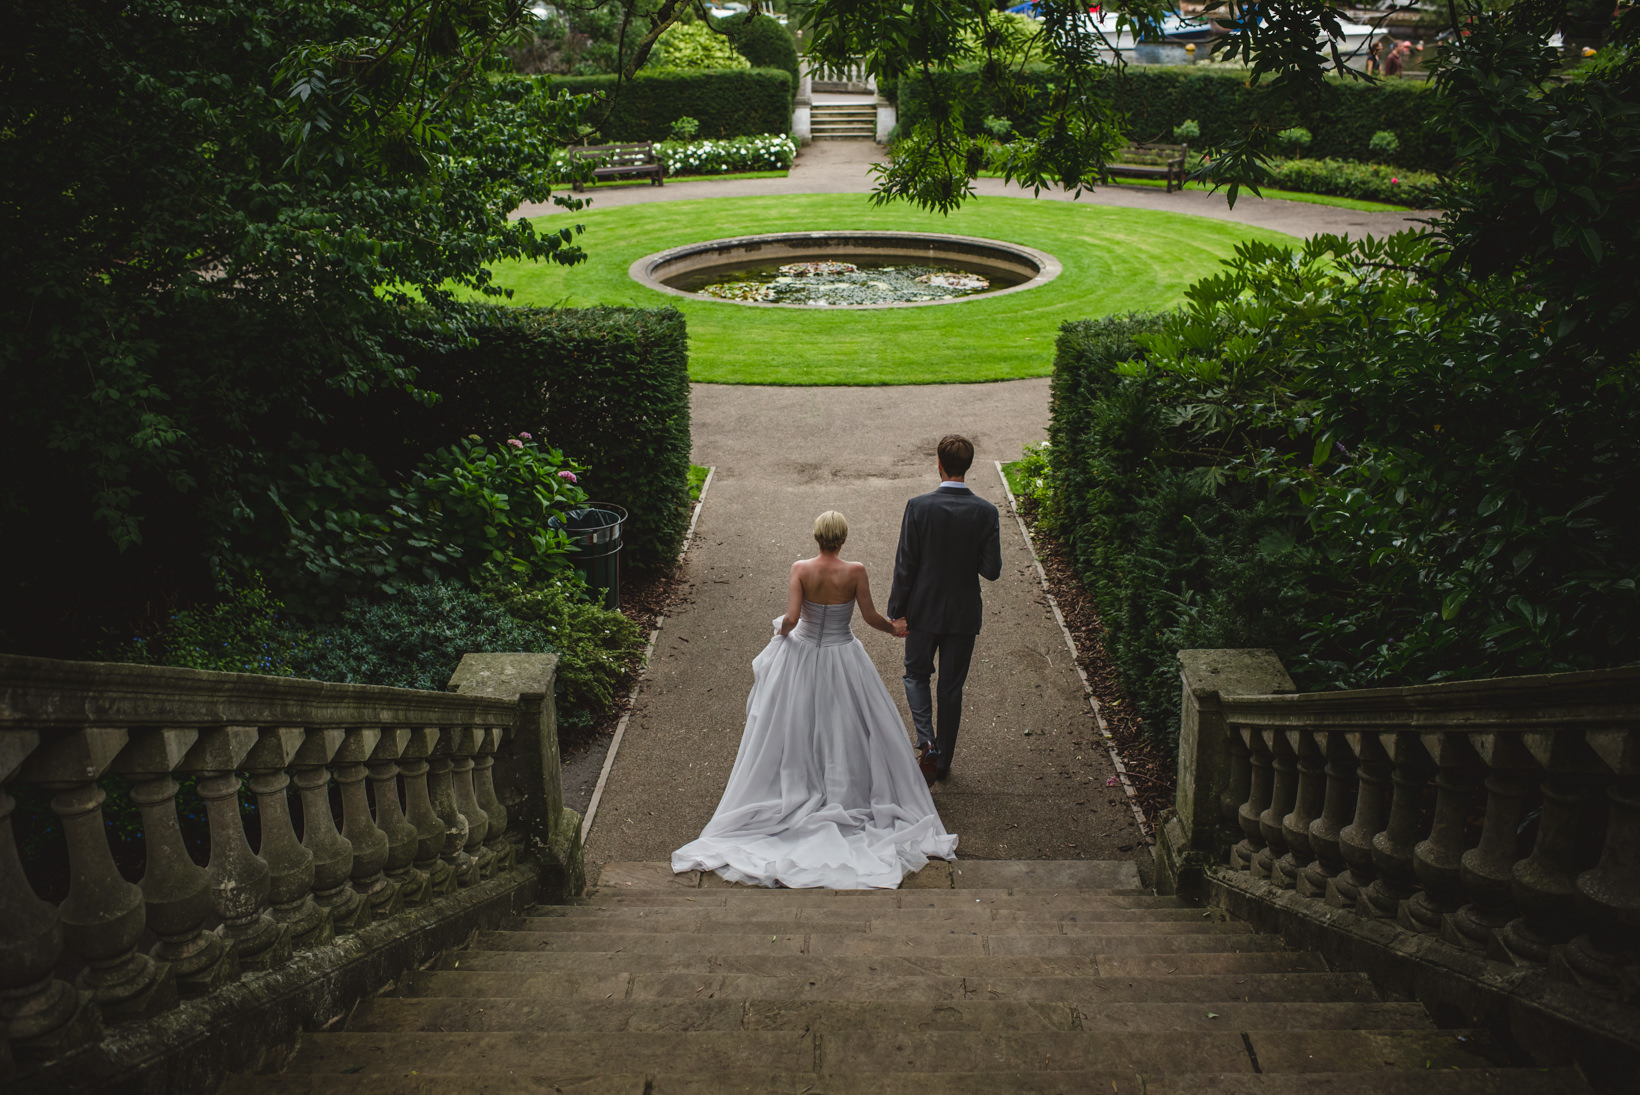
{"points": [[1207, 939], [1480, 1081], [858, 1053], [961, 922], [724, 1013], [1099, 875], [1090, 991], [977, 967], [874, 900], [629, 909]]}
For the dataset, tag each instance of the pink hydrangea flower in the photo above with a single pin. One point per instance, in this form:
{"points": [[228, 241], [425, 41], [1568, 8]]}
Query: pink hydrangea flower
{"points": [[515, 443], [1393, 179], [526, 437], [568, 475]]}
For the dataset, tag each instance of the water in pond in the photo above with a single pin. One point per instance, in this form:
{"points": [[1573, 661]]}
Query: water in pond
{"points": [[830, 284]]}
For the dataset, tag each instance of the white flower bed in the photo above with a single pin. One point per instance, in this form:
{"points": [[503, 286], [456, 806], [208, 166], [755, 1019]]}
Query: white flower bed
{"points": [[766, 152]]}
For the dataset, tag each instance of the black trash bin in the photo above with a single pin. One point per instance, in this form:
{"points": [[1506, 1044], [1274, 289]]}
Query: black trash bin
{"points": [[595, 541]]}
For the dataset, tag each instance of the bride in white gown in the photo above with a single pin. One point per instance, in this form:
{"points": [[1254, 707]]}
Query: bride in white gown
{"points": [[825, 791]]}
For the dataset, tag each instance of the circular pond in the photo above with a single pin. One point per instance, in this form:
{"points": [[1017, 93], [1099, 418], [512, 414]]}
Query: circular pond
{"points": [[863, 269]]}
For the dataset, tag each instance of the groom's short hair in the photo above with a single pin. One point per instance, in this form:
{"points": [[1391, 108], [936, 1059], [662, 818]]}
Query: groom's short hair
{"points": [[956, 454]]}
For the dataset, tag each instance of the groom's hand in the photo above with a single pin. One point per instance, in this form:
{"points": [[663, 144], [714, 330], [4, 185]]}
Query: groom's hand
{"points": [[900, 628]]}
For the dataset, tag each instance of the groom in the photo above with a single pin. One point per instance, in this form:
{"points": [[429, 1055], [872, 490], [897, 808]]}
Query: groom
{"points": [[949, 539]]}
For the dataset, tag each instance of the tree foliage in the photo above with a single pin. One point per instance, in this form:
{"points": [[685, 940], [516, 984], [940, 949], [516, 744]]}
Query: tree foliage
{"points": [[215, 217]]}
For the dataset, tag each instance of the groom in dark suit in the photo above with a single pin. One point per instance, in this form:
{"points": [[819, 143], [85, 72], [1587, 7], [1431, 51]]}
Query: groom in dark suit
{"points": [[949, 539]]}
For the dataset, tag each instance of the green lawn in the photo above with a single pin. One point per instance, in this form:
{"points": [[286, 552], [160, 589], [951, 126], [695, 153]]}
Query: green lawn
{"points": [[1116, 260]]}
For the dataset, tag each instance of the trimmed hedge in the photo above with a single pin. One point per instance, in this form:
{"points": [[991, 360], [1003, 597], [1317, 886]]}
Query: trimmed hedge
{"points": [[726, 103], [1156, 98], [608, 386], [764, 42], [1364, 181]]}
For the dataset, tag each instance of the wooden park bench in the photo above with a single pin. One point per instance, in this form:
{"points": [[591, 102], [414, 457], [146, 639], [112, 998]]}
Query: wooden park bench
{"points": [[1150, 161], [621, 161]]}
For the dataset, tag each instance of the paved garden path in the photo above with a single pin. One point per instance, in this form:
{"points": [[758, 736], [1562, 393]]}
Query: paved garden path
{"points": [[1030, 776]]}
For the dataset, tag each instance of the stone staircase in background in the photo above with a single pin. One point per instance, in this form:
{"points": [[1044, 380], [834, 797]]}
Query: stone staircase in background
{"points": [[843, 121], [1018, 978]]}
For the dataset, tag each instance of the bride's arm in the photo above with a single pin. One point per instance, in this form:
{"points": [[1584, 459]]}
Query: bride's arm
{"points": [[862, 597], [794, 601]]}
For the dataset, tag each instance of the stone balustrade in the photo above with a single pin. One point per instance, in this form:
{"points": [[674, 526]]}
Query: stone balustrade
{"points": [[371, 806], [1491, 826]]}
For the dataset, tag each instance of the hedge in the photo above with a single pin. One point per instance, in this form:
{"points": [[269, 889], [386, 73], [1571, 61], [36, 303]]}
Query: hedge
{"points": [[1156, 98], [764, 42], [609, 386], [726, 103]]}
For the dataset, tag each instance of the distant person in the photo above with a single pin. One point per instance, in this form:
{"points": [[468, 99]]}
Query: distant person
{"points": [[1396, 60], [1372, 56]]}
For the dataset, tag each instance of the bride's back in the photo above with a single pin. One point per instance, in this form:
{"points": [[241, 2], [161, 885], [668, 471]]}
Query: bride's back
{"points": [[828, 579]]}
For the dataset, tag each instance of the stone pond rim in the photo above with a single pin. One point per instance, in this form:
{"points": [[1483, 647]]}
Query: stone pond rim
{"points": [[991, 257]]}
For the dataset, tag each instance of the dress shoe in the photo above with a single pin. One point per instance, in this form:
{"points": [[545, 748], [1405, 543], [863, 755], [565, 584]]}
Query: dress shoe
{"points": [[928, 763]]}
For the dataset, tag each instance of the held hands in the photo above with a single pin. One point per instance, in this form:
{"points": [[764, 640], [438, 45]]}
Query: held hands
{"points": [[901, 630]]}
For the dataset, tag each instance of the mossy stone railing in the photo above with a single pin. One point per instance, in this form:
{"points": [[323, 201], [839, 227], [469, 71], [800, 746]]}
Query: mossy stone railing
{"points": [[423, 817], [1474, 844]]}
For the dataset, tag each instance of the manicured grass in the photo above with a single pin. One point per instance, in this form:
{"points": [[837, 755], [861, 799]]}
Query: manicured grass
{"points": [[697, 480], [1116, 260]]}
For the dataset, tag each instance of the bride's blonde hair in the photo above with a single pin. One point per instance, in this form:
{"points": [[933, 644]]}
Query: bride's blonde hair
{"points": [[831, 530]]}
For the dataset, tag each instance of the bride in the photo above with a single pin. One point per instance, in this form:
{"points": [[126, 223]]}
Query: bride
{"points": [[825, 790]]}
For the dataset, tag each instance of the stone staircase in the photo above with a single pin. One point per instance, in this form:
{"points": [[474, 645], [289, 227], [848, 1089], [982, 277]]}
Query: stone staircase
{"points": [[1018, 978], [843, 121]]}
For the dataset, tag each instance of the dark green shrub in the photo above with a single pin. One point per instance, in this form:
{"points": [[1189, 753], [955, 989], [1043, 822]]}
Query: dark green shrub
{"points": [[736, 103], [611, 386], [1327, 454], [1294, 141], [1366, 181], [763, 42], [595, 645], [1157, 98], [416, 639], [248, 632]]}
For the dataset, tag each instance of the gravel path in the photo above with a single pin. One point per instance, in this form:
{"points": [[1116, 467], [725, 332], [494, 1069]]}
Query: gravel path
{"points": [[1030, 776]]}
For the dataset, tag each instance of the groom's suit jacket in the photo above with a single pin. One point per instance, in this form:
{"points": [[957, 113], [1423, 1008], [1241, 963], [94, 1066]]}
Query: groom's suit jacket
{"points": [[949, 539]]}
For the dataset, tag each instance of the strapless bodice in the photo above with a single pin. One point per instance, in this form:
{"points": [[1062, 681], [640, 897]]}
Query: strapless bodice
{"points": [[825, 625]]}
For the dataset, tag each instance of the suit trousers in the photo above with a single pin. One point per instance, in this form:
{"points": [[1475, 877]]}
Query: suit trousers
{"points": [[954, 653]]}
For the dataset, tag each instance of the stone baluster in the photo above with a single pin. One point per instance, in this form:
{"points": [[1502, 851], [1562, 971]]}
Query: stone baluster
{"points": [[1543, 885], [441, 788], [41, 1016], [1438, 858], [1240, 786], [1355, 840], [1258, 800], [1283, 794], [1337, 804], [369, 843], [177, 890], [1487, 869], [1608, 894], [1295, 825], [464, 745], [103, 916], [290, 865], [503, 850], [240, 882], [1392, 849], [332, 854], [402, 836], [418, 806]]}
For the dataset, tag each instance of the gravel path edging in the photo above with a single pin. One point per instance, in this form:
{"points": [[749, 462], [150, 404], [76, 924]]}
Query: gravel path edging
{"points": [[1076, 660]]}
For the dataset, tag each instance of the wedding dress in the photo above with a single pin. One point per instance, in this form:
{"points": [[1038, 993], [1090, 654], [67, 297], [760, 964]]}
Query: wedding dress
{"points": [[825, 790]]}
